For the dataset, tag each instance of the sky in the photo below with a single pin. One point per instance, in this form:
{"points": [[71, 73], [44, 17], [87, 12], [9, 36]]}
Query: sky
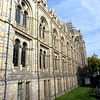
{"points": [[85, 15]]}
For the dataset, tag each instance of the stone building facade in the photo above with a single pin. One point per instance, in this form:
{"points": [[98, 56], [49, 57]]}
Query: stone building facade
{"points": [[44, 53]]}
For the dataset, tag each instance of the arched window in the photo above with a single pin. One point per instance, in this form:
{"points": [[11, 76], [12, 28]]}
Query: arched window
{"points": [[43, 32], [55, 62], [63, 64], [16, 52], [62, 45], [40, 58], [23, 4], [25, 19], [23, 57], [40, 30], [44, 59], [54, 41], [17, 18]]}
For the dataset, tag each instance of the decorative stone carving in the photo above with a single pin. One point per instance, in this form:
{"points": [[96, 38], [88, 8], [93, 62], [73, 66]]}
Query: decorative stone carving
{"points": [[65, 28], [43, 3], [53, 14], [60, 23]]}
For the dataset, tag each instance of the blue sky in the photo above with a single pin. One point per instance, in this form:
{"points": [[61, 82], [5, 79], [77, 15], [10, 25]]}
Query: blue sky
{"points": [[84, 14]]}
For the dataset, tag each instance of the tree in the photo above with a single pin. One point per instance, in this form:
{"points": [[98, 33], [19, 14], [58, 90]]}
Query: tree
{"points": [[93, 64]]}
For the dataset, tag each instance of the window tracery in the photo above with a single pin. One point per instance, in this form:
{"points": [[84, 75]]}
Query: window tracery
{"points": [[17, 18], [55, 35], [43, 28], [19, 54], [21, 10]]}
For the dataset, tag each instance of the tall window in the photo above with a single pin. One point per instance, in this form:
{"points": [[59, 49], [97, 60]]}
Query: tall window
{"points": [[25, 19], [66, 83], [27, 91], [63, 64], [17, 18], [58, 85], [23, 57], [55, 62], [54, 40], [40, 30], [19, 95], [16, 52], [44, 59], [45, 92], [48, 88], [43, 32], [40, 58]]}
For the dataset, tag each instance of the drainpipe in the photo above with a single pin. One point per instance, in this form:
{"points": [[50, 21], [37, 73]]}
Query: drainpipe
{"points": [[63, 75], [7, 51], [37, 58], [53, 60]]}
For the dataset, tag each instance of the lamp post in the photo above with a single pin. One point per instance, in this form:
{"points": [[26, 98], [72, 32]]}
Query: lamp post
{"points": [[7, 51]]}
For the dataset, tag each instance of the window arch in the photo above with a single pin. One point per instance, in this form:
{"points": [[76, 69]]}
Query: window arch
{"points": [[23, 4], [43, 27], [23, 57], [17, 18], [62, 44], [55, 35], [16, 52]]}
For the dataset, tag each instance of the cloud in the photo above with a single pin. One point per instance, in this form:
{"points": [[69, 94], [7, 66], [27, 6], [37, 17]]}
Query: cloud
{"points": [[92, 5], [85, 14]]}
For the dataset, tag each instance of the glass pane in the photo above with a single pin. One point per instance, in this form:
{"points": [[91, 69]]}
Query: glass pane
{"points": [[23, 57], [27, 91], [16, 52], [19, 92]]}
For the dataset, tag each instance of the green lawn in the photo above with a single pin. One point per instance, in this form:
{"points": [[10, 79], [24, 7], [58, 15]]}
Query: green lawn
{"points": [[80, 93]]}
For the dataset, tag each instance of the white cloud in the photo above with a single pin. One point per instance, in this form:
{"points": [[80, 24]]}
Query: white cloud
{"points": [[92, 5], [85, 14]]}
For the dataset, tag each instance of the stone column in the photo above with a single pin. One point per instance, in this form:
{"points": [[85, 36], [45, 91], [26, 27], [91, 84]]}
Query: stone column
{"points": [[21, 17], [42, 67], [23, 90], [19, 58], [28, 24], [27, 59]]}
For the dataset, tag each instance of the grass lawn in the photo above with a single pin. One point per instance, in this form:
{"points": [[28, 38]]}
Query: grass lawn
{"points": [[80, 93]]}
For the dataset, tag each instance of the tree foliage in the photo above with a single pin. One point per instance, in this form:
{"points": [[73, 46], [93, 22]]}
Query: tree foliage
{"points": [[93, 64]]}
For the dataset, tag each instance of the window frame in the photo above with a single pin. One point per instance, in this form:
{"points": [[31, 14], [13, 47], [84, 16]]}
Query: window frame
{"points": [[27, 91], [40, 58], [44, 58], [43, 33], [17, 16], [40, 31], [19, 94], [23, 54], [25, 19], [16, 52]]}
